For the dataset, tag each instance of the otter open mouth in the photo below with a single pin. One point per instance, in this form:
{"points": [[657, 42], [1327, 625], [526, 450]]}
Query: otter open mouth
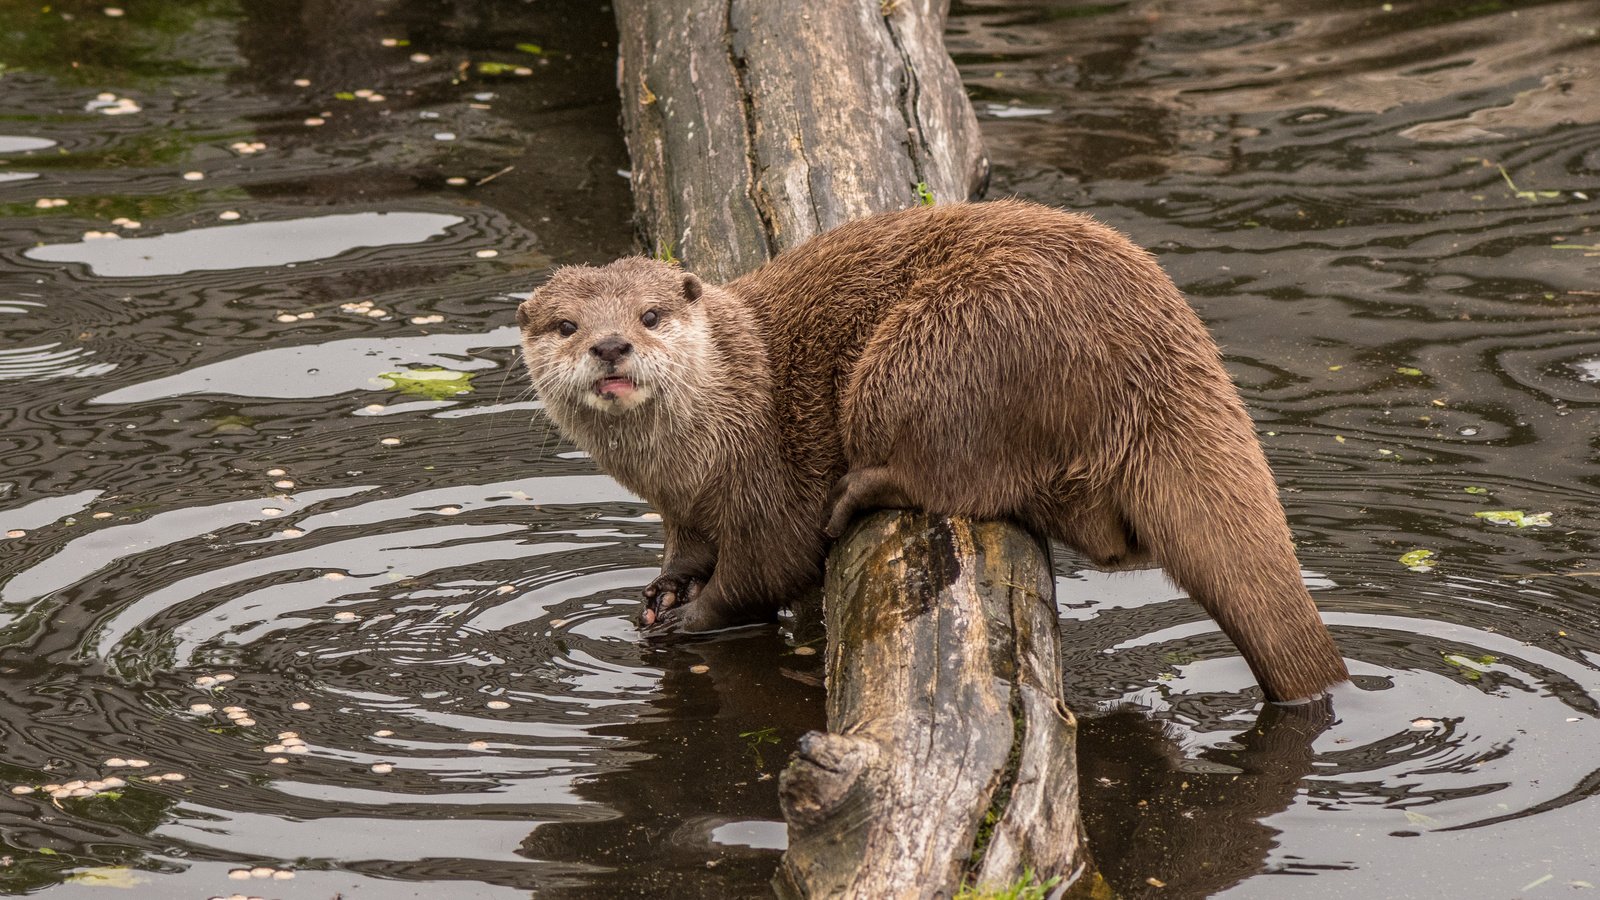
{"points": [[614, 387]]}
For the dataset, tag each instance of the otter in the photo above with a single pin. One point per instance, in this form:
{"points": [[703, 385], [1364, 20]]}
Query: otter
{"points": [[991, 360]]}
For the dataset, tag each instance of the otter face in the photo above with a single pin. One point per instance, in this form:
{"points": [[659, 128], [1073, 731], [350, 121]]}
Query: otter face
{"points": [[611, 339]]}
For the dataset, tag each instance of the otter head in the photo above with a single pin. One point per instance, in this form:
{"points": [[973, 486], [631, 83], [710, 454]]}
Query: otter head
{"points": [[611, 340]]}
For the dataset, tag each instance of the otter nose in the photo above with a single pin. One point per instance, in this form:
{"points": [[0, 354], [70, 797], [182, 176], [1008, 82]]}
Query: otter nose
{"points": [[611, 349]]}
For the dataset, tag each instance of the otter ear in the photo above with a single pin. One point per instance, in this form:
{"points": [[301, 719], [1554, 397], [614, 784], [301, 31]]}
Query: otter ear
{"points": [[692, 288], [523, 319]]}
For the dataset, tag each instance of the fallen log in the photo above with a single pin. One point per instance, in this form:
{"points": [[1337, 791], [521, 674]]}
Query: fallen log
{"points": [[950, 757], [753, 126]]}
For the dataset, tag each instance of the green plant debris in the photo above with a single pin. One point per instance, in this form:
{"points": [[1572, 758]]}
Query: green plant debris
{"points": [[496, 68], [1418, 560], [924, 194], [106, 876], [1515, 517], [1471, 668], [430, 384], [756, 739], [1588, 249], [534, 49], [1026, 887], [1476, 490], [344, 95], [1408, 370], [1532, 196]]}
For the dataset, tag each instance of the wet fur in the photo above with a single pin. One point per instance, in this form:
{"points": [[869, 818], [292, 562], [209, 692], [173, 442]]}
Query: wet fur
{"points": [[994, 360]]}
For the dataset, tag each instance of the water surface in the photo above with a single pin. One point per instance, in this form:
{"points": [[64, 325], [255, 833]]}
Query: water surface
{"points": [[273, 428]]}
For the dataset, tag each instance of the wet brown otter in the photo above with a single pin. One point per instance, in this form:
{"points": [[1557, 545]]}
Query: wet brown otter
{"points": [[989, 360]]}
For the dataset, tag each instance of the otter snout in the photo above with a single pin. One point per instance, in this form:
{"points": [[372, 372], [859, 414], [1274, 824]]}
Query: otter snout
{"points": [[611, 349]]}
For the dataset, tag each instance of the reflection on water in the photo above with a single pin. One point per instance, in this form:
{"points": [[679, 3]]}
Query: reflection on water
{"points": [[273, 516], [246, 246]]}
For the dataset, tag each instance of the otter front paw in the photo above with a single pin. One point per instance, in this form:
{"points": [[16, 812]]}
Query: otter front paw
{"points": [[669, 591], [693, 618]]}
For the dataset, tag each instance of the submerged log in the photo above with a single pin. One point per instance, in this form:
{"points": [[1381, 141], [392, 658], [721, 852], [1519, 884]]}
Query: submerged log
{"points": [[753, 126]]}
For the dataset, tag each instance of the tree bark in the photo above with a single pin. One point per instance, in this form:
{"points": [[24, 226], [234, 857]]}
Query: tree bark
{"points": [[752, 126], [950, 758], [755, 125]]}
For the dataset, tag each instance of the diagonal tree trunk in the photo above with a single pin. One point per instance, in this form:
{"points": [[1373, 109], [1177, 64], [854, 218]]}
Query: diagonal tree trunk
{"points": [[754, 125]]}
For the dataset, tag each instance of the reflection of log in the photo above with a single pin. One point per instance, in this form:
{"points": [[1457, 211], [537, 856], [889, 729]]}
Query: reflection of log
{"points": [[951, 753], [753, 126]]}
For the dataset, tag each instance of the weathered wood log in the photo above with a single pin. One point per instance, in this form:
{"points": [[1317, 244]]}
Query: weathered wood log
{"points": [[753, 126], [950, 756]]}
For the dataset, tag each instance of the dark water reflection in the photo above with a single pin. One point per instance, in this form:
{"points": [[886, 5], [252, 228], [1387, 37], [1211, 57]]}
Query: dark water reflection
{"points": [[207, 481]]}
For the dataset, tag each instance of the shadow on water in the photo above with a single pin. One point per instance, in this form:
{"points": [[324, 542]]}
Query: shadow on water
{"points": [[292, 585]]}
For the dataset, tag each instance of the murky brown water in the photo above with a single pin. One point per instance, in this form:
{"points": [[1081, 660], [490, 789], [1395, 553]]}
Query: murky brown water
{"points": [[436, 585]]}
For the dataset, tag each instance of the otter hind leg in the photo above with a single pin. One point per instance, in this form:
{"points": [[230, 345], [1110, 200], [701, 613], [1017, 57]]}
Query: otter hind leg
{"points": [[861, 490], [1094, 526]]}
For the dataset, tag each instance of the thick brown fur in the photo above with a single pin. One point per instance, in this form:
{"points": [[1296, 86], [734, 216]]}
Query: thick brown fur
{"points": [[992, 360]]}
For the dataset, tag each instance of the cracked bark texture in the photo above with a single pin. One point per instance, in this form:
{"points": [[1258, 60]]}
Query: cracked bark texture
{"points": [[950, 757], [755, 125]]}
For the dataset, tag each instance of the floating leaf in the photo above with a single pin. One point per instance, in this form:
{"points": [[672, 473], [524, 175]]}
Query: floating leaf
{"points": [[1476, 490], [496, 68], [344, 95], [1407, 370], [1418, 560], [430, 384], [535, 49], [1471, 668], [1515, 517], [1417, 818], [106, 876]]}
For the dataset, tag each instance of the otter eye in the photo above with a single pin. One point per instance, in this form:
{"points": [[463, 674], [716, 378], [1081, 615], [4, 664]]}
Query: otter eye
{"points": [[650, 318], [567, 329]]}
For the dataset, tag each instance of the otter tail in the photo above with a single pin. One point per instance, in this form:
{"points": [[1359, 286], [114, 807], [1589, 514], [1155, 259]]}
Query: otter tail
{"points": [[1211, 517]]}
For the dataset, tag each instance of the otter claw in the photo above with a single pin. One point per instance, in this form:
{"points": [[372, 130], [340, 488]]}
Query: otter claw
{"points": [[667, 594]]}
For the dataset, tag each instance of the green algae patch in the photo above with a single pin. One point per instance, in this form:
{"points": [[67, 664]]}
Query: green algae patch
{"points": [[430, 384]]}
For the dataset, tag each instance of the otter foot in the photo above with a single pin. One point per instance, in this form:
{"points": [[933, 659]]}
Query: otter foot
{"points": [[669, 591], [859, 490], [692, 618]]}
